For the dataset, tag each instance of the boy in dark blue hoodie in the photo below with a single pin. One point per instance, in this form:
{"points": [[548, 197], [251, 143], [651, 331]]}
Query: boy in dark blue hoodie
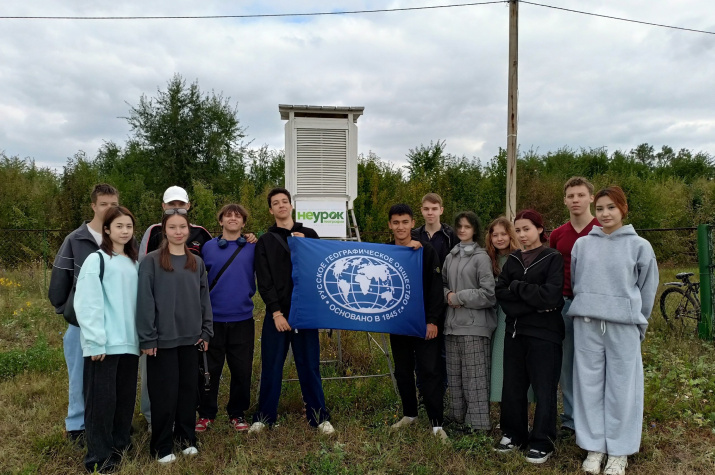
{"points": [[229, 263]]}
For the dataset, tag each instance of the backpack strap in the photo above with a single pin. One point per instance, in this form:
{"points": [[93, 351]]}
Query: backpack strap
{"points": [[101, 266], [280, 240], [223, 269]]}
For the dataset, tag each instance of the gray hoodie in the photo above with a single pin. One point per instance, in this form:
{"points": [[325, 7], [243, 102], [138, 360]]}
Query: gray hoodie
{"points": [[173, 308], [614, 277], [468, 273]]}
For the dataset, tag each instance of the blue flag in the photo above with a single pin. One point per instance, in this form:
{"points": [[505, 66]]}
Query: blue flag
{"points": [[357, 286]]}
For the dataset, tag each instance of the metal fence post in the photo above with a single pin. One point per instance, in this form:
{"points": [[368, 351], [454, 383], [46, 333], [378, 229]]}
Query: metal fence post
{"points": [[705, 261]]}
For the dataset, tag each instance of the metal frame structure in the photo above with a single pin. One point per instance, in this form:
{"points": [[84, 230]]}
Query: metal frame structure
{"points": [[321, 165]]}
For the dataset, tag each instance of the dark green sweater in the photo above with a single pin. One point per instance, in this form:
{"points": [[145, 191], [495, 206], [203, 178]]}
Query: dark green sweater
{"points": [[173, 308]]}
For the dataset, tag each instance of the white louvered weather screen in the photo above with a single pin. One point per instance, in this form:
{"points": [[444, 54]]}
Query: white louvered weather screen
{"points": [[321, 160]]}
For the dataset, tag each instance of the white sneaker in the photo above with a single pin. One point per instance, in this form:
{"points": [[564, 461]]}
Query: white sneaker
{"points": [[326, 428], [167, 459], [256, 428], [190, 451], [404, 422], [616, 465], [593, 462], [441, 435], [505, 445]]}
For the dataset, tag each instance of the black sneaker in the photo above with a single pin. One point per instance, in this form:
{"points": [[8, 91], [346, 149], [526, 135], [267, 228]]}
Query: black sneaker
{"points": [[537, 456], [76, 437], [566, 433], [505, 445]]}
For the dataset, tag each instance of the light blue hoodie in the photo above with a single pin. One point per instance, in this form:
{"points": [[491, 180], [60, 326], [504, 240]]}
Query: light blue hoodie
{"points": [[106, 309], [614, 277]]}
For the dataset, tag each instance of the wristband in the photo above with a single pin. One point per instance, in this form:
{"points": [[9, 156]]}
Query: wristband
{"points": [[276, 316]]}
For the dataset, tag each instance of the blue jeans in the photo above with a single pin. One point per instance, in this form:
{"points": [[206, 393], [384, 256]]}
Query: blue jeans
{"points": [[145, 404], [306, 352], [566, 380], [75, 368]]}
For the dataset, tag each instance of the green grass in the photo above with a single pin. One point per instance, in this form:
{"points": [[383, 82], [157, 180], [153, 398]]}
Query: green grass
{"points": [[678, 424], [39, 358]]}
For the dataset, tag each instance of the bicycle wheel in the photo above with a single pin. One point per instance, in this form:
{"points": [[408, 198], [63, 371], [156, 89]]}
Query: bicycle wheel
{"points": [[680, 311]]}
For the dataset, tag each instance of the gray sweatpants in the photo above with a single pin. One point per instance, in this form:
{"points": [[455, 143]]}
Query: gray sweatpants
{"points": [[566, 381], [607, 386]]}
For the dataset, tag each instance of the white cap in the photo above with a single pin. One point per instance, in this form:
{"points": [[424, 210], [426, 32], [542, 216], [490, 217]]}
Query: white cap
{"points": [[175, 193]]}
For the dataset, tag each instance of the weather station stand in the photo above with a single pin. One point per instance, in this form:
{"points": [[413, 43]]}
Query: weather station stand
{"points": [[321, 173]]}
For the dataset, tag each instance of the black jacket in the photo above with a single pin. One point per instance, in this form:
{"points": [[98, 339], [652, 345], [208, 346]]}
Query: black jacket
{"points": [[432, 294], [65, 270], [274, 268], [450, 240], [531, 297]]}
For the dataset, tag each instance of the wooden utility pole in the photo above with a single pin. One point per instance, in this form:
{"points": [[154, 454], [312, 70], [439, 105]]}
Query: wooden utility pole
{"points": [[511, 142]]}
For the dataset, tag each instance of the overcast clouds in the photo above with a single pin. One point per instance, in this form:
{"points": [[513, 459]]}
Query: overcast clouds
{"points": [[421, 75]]}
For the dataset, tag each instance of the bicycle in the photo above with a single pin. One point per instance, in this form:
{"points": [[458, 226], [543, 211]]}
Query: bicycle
{"points": [[681, 307]]}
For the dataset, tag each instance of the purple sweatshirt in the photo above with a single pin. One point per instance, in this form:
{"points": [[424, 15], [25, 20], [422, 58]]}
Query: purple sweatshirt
{"points": [[231, 297]]}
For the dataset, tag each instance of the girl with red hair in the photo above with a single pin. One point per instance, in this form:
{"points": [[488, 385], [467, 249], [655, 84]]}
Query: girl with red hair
{"points": [[529, 291]]}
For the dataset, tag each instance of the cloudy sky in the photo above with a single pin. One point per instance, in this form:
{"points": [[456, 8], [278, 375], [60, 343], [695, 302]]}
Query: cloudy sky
{"points": [[438, 74]]}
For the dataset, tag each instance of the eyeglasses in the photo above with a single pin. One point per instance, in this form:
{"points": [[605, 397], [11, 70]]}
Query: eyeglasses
{"points": [[171, 211]]}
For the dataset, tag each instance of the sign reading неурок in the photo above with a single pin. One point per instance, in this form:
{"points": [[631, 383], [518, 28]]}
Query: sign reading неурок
{"points": [[328, 218]]}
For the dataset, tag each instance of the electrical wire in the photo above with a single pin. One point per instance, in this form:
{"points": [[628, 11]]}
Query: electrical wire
{"points": [[257, 15], [619, 18], [351, 12]]}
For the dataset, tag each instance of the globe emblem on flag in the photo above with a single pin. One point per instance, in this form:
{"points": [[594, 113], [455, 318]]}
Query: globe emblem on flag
{"points": [[364, 284]]}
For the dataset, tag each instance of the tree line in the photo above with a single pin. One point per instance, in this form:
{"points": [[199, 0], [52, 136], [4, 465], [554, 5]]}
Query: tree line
{"points": [[188, 137]]}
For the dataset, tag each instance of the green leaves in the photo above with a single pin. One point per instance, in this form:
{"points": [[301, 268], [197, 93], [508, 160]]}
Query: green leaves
{"points": [[183, 134]]}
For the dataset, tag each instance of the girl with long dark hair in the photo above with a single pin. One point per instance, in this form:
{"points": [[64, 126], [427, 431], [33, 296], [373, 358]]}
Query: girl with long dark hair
{"points": [[469, 322], [529, 290], [105, 304], [173, 318]]}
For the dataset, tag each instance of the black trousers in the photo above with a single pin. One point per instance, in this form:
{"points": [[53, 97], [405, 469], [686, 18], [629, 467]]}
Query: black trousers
{"points": [[443, 352], [232, 343], [409, 351], [536, 362], [172, 385], [110, 389]]}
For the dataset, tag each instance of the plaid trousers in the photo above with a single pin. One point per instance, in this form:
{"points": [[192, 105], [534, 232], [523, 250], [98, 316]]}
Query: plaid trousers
{"points": [[468, 367]]}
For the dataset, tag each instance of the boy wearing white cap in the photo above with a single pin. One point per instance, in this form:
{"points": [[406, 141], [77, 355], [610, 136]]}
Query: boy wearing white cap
{"points": [[174, 197]]}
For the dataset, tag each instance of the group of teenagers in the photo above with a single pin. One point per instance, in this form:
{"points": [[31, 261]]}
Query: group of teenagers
{"points": [[525, 313], [508, 319]]}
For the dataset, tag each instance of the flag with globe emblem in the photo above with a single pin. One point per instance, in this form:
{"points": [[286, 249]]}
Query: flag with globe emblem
{"points": [[356, 286]]}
